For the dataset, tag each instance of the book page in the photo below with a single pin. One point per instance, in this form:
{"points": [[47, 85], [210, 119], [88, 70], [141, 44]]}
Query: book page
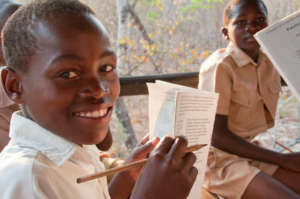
{"points": [[281, 42], [161, 110], [187, 112], [195, 116]]}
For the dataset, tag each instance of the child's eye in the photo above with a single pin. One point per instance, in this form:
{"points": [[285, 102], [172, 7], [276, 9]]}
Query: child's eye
{"points": [[107, 68], [68, 75], [241, 23], [261, 20]]}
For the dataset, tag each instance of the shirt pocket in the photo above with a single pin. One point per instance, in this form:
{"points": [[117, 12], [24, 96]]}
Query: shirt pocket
{"points": [[243, 106], [244, 96]]}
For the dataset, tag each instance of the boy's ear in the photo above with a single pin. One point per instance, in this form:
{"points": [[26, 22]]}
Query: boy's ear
{"points": [[12, 85], [224, 31]]}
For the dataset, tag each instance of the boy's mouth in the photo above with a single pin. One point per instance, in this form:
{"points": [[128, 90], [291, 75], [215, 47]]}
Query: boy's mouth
{"points": [[250, 38], [100, 113]]}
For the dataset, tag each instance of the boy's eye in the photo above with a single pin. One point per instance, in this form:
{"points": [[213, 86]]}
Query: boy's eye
{"points": [[107, 68], [261, 20], [241, 23], [69, 75]]}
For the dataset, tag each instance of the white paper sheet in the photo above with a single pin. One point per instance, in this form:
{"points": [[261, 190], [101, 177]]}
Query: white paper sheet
{"points": [[281, 42], [177, 110]]}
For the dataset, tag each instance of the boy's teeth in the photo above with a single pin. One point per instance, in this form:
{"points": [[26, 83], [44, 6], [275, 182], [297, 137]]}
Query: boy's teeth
{"points": [[94, 114]]}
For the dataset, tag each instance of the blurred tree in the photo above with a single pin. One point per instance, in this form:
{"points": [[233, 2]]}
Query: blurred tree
{"points": [[123, 67]]}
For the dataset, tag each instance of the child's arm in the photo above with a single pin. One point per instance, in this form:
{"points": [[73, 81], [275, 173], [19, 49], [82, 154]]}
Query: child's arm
{"points": [[169, 172], [225, 140]]}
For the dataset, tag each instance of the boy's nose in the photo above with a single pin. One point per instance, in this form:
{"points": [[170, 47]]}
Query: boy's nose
{"points": [[251, 27], [94, 88]]}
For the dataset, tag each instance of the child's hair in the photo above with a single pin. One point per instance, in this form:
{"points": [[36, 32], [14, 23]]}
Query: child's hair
{"points": [[227, 13], [19, 42]]}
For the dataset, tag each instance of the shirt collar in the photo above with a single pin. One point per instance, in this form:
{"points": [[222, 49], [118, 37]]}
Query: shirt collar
{"points": [[240, 58], [27, 133]]}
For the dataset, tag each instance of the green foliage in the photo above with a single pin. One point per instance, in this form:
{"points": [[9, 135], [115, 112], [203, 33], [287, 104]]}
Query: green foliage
{"points": [[195, 5], [153, 15], [150, 2]]}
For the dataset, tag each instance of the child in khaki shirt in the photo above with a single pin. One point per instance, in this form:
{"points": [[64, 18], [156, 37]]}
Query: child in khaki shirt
{"points": [[249, 88]]}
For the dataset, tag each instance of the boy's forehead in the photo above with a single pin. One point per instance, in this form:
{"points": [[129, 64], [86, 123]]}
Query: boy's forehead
{"points": [[67, 26], [84, 22], [69, 37]]}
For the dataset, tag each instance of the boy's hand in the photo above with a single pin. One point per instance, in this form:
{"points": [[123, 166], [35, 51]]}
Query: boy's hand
{"points": [[140, 152], [290, 161], [122, 183], [169, 172]]}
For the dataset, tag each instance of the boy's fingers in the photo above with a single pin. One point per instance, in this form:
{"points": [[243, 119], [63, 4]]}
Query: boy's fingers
{"points": [[143, 150], [164, 145], [189, 160], [193, 174], [144, 140], [178, 148]]}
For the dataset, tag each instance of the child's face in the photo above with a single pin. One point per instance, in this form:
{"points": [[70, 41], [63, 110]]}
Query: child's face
{"points": [[245, 22], [71, 84]]}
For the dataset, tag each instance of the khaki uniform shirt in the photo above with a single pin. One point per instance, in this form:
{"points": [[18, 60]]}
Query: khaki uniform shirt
{"points": [[248, 95], [248, 92], [37, 164]]}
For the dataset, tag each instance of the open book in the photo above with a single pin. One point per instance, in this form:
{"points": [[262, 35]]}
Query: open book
{"points": [[183, 111], [281, 42]]}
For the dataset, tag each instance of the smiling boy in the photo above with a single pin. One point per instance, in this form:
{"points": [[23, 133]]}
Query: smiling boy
{"points": [[248, 87], [62, 71]]}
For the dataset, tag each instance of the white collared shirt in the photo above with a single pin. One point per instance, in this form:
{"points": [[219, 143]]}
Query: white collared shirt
{"points": [[39, 164]]}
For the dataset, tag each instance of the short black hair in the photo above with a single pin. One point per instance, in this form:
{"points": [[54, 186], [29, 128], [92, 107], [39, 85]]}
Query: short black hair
{"points": [[227, 12], [19, 43]]}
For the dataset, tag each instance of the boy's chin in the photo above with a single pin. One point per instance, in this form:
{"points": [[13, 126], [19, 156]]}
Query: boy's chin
{"points": [[93, 140]]}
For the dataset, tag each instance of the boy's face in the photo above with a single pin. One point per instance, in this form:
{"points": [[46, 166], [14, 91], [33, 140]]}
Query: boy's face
{"points": [[71, 83], [245, 22]]}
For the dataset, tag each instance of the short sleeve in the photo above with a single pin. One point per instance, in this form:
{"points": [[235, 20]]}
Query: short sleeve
{"points": [[217, 78], [223, 86]]}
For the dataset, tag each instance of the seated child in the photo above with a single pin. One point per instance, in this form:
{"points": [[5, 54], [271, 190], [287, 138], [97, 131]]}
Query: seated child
{"points": [[62, 71], [7, 107], [249, 87]]}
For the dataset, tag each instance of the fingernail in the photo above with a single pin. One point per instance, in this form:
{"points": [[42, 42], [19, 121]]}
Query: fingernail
{"points": [[155, 140]]}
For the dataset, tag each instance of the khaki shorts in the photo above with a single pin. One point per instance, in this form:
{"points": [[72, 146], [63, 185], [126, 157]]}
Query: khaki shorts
{"points": [[228, 175]]}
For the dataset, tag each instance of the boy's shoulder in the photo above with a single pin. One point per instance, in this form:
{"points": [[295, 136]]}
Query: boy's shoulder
{"points": [[21, 170], [16, 172], [215, 59]]}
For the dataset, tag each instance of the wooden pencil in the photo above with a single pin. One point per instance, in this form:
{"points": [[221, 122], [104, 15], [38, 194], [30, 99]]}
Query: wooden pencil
{"points": [[284, 147], [138, 163]]}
